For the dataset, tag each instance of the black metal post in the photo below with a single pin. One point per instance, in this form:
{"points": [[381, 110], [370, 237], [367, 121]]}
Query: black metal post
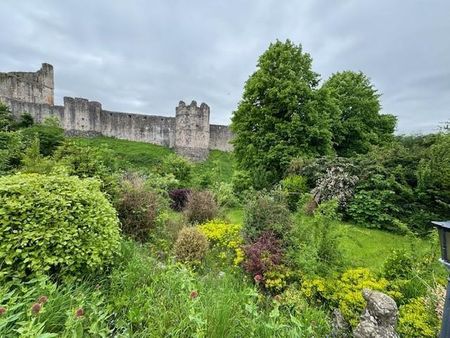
{"points": [[445, 328]]}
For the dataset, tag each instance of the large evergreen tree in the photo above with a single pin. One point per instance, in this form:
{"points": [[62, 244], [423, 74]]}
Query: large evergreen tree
{"points": [[359, 123], [281, 114]]}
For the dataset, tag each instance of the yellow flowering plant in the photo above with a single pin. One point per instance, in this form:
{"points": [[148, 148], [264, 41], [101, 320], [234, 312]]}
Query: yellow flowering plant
{"points": [[276, 280], [226, 238], [346, 292]]}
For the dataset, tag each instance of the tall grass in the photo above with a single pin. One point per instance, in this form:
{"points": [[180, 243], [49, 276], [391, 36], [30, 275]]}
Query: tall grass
{"points": [[144, 297], [154, 299]]}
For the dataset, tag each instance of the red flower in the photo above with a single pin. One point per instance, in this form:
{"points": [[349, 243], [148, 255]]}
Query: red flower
{"points": [[36, 308], [43, 299], [2, 310], [79, 313], [194, 294], [258, 278]]}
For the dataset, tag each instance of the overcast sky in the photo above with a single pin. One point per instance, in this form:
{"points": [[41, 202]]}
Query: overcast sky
{"points": [[145, 56]]}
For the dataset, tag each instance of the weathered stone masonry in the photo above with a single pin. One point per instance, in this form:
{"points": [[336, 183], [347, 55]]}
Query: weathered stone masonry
{"points": [[189, 132]]}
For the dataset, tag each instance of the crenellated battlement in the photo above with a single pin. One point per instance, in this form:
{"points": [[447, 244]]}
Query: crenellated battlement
{"points": [[192, 130], [189, 132]]}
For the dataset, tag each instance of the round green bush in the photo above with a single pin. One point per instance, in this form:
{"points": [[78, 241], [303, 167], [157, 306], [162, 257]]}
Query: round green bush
{"points": [[57, 225]]}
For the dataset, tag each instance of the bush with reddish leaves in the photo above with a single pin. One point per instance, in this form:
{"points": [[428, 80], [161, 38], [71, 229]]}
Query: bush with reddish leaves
{"points": [[179, 198], [263, 255], [138, 209]]}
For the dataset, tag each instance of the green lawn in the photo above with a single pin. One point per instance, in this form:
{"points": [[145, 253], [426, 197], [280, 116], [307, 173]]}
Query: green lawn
{"points": [[370, 247], [366, 247]]}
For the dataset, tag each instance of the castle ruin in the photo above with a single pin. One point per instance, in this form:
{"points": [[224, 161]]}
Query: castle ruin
{"points": [[189, 132]]}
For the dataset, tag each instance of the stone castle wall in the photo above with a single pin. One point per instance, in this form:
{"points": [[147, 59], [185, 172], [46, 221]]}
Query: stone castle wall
{"points": [[189, 132]]}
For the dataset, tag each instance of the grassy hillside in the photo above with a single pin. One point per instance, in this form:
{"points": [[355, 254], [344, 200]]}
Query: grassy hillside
{"points": [[140, 155], [130, 154]]}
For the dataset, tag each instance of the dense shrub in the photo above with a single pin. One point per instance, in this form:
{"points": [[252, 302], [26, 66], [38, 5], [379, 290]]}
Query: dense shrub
{"points": [[262, 256], [294, 186], [25, 121], [85, 161], [179, 167], [266, 213], [375, 204], [241, 181], [138, 209], [11, 151], [159, 183], [179, 198], [434, 177], [416, 319], [49, 133], [225, 197], [6, 118], [202, 180], [191, 245], [226, 238], [34, 162], [307, 204], [201, 207], [55, 225], [314, 246]]}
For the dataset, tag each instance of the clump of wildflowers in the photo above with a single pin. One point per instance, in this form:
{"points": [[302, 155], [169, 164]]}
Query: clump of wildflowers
{"points": [[226, 238]]}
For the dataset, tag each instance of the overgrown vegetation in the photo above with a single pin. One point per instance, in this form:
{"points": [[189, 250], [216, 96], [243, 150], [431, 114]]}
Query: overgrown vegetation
{"points": [[106, 237]]}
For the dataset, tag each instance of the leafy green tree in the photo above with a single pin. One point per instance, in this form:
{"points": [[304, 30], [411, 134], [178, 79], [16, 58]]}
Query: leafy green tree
{"points": [[359, 123], [281, 114]]}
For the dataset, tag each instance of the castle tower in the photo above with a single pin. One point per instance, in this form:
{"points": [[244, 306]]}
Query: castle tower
{"points": [[81, 116], [192, 130], [34, 87]]}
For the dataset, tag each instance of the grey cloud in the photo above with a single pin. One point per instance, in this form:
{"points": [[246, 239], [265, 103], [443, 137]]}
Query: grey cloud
{"points": [[145, 56]]}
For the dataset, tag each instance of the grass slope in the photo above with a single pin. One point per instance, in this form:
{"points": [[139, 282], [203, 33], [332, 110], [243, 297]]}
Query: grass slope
{"points": [[140, 155]]}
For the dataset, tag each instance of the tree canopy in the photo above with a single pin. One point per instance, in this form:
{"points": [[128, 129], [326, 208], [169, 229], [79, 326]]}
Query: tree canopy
{"points": [[281, 114], [284, 113], [359, 124]]}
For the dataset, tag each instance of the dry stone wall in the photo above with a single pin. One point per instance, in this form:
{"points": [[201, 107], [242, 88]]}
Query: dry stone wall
{"points": [[189, 132]]}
